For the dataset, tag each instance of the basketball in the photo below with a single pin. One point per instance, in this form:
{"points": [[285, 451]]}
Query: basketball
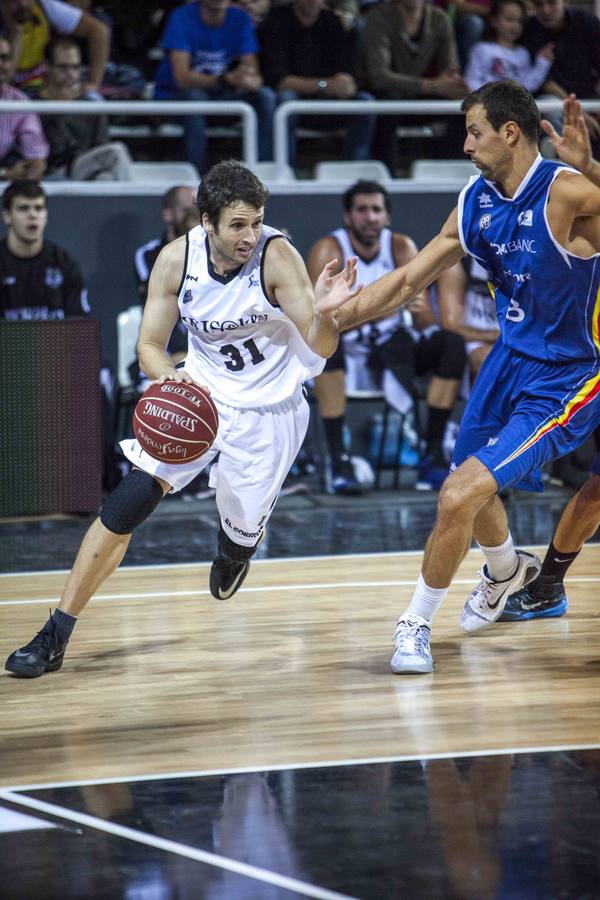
{"points": [[175, 422]]}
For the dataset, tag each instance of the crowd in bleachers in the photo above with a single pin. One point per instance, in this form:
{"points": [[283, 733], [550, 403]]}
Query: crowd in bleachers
{"points": [[266, 52]]}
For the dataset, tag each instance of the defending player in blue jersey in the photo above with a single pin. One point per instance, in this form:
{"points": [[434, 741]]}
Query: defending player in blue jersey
{"points": [[534, 225]]}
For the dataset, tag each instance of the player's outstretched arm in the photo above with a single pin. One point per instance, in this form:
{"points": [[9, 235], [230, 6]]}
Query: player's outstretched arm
{"points": [[396, 289], [160, 314], [573, 145], [288, 283]]}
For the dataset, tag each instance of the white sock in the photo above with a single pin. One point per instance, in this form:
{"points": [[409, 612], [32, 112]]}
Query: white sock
{"points": [[501, 561], [425, 601]]}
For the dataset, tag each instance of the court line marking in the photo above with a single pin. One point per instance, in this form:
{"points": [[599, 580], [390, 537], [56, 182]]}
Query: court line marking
{"points": [[286, 767], [325, 585], [276, 559], [202, 856]]}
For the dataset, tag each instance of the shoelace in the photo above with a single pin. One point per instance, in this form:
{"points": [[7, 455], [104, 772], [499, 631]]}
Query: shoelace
{"points": [[414, 637], [45, 638]]}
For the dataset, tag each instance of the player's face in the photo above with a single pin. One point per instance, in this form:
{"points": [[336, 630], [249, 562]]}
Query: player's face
{"points": [[27, 218], [550, 13], [233, 240], [485, 146], [185, 200], [509, 22], [366, 218]]}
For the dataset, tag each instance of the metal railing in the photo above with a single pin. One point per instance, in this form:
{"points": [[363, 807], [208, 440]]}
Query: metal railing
{"points": [[248, 115], [232, 108], [378, 107]]}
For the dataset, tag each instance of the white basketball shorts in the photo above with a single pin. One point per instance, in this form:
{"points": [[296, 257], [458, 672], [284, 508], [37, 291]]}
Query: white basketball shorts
{"points": [[257, 448]]}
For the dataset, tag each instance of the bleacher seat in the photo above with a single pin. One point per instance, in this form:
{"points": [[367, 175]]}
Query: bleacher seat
{"points": [[268, 171], [165, 172], [348, 171], [442, 169]]}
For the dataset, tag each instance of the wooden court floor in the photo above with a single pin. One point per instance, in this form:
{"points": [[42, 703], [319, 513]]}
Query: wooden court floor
{"points": [[161, 678]]}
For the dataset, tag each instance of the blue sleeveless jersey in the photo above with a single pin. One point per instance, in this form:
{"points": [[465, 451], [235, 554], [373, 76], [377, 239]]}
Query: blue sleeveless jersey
{"points": [[547, 299]]}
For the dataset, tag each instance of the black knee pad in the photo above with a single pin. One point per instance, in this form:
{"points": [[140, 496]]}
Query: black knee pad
{"points": [[453, 357], [233, 551], [131, 502]]}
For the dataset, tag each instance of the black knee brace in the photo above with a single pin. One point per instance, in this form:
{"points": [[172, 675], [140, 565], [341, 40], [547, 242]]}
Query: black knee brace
{"points": [[453, 356], [234, 551], [131, 502]]}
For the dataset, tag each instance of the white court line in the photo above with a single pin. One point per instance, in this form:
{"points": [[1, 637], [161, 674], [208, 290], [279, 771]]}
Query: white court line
{"points": [[203, 856], [266, 562], [325, 585], [286, 767]]}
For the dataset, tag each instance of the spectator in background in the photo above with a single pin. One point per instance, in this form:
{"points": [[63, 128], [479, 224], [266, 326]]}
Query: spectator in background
{"points": [[30, 23], [256, 9], [410, 52], [210, 54], [467, 308], [468, 18], [575, 35], [79, 145], [499, 54], [23, 147], [306, 53], [177, 204], [406, 344]]}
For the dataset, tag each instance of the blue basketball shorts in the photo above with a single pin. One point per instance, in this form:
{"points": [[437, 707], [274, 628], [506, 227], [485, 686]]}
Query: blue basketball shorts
{"points": [[523, 413]]}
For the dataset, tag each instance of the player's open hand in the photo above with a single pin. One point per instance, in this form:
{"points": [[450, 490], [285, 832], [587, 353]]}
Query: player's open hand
{"points": [[333, 290], [573, 147]]}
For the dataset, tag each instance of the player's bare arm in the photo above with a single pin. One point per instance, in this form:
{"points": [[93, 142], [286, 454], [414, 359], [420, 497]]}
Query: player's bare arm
{"points": [[160, 314], [420, 308], [321, 253], [310, 310], [395, 290]]}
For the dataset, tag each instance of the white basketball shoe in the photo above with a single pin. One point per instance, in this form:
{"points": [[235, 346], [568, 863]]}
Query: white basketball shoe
{"points": [[411, 638], [486, 603]]}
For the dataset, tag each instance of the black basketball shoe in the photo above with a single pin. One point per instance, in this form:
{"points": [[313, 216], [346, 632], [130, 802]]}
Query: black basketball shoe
{"points": [[226, 576], [45, 653]]}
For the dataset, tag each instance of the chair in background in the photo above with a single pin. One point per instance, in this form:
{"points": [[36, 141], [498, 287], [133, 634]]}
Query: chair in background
{"points": [[442, 170], [165, 172], [128, 329], [351, 170], [268, 171]]}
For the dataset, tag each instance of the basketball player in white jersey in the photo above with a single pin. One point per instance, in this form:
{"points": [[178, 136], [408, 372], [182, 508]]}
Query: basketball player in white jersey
{"points": [[256, 332], [407, 343], [467, 307]]}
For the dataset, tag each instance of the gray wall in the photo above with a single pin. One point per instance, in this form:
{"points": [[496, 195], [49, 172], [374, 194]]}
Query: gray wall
{"points": [[103, 233]]}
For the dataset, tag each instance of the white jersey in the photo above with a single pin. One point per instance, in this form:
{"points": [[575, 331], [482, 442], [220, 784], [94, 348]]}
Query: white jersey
{"points": [[369, 271], [242, 347]]}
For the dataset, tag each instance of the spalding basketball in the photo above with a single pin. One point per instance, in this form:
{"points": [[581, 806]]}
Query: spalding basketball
{"points": [[175, 422]]}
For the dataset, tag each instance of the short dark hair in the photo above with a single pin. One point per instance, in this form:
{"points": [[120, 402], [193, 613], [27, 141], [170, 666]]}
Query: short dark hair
{"points": [[227, 183], [507, 101], [21, 188], [365, 187], [64, 41]]}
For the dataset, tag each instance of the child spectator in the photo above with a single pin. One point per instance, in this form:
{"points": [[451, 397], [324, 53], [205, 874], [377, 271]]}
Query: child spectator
{"points": [[500, 56]]}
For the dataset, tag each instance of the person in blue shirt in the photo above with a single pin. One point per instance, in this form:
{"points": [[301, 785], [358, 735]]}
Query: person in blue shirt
{"points": [[211, 54], [534, 225]]}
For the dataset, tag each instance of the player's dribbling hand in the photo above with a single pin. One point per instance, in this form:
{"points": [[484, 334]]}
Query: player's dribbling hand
{"points": [[181, 377], [573, 146], [333, 290]]}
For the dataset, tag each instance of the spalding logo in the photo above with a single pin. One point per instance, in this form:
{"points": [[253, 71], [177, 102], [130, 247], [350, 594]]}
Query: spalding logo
{"points": [[170, 416]]}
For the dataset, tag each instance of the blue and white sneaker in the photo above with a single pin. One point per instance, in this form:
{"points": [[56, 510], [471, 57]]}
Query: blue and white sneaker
{"points": [[527, 604], [343, 477], [429, 476], [486, 603]]}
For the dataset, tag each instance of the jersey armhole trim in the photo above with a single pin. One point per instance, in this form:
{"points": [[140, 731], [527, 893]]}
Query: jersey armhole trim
{"points": [[185, 263], [272, 237]]}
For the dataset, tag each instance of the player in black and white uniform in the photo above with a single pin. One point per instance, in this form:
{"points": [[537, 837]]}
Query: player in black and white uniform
{"points": [[257, 330]]}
